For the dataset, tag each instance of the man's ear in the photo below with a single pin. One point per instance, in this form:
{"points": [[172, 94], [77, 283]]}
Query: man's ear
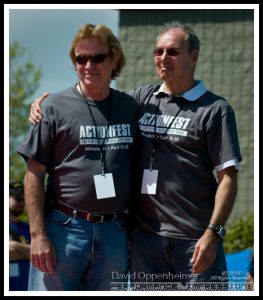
{"points": [[194, 54]]}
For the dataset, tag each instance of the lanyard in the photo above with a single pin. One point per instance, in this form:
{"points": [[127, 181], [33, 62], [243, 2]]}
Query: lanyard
{"points": [[156, 141], [102, 158]]}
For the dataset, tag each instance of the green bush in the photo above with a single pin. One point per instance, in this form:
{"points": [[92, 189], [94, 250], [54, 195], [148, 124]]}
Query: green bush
{"points": [[23, 217], [240, 235]]}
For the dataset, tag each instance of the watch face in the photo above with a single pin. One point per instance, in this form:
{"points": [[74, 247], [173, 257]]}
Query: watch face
{"points": [[222, 232]]}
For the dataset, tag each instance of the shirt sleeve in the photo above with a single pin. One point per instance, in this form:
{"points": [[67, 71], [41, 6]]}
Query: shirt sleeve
{"points": [[39, 141], [222, 138]]}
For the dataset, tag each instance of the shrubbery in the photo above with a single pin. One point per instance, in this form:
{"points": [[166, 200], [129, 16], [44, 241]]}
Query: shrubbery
{"points": [[240, 234]]}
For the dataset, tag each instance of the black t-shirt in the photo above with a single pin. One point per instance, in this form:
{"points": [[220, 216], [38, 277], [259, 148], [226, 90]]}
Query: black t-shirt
{"points": [[68, 143], [191, 139]]}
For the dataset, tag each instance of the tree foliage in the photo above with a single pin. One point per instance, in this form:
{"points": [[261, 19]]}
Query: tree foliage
{"points": [[24, 79], [240, 234]]}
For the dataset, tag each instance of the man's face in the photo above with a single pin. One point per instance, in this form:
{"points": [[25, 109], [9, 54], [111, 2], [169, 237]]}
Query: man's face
{"points": [[173, 61], [90, 73], [16, 206]]}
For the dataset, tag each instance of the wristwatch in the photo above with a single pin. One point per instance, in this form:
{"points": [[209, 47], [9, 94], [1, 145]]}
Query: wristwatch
{"points": [[219, 230]]}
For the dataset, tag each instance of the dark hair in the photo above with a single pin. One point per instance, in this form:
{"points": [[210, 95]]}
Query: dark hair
{"points": [[17, 195], [191, 37]]}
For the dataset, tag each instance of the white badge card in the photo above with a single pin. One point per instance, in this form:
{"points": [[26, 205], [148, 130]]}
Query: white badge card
{"points": [[149, 181], [104, 186]]}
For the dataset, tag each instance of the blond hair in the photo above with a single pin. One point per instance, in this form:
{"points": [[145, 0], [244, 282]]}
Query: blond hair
{"points": [[106, 37]]}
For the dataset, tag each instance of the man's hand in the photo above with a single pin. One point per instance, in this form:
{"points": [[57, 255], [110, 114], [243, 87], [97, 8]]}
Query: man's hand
{"points": [[43, 255], [35, 110], [205, 252]]}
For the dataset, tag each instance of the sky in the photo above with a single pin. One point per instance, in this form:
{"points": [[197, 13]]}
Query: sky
{"points": [[46, 35], [46, 32]]}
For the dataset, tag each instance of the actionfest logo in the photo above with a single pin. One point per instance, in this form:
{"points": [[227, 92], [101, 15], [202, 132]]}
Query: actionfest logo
{"points": [[105, 135]]}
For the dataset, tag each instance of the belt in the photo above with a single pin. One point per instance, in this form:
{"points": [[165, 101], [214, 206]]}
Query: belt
{"points": [[91, 217]]}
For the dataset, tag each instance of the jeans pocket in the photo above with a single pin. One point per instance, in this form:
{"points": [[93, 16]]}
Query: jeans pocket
{"points": [[60, 218], [120, 224]]}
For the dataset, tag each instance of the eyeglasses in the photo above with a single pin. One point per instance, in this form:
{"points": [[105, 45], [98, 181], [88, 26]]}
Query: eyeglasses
{"points": [[170, 51], [96, 58]]}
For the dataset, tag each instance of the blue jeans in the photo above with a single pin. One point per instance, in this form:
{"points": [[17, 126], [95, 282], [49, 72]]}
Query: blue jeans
{"points": [[164, 263], [87, 254]]}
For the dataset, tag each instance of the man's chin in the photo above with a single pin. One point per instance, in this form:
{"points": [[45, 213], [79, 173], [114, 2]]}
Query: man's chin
{"points": [[163, 75]]}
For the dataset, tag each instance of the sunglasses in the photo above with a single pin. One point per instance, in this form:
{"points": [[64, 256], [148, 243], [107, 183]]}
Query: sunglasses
{"points": [[96, 58], [170, 51]]}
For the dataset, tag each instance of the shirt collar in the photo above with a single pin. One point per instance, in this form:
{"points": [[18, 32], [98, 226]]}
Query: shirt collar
{"points": [[191, 95]]}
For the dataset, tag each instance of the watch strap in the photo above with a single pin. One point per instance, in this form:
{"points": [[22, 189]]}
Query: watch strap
{"points": [[213, 227], [219, 230]]}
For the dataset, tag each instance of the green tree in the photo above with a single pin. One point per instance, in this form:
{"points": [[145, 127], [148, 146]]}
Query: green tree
{"points": [[24, 79], [240, 234]]}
